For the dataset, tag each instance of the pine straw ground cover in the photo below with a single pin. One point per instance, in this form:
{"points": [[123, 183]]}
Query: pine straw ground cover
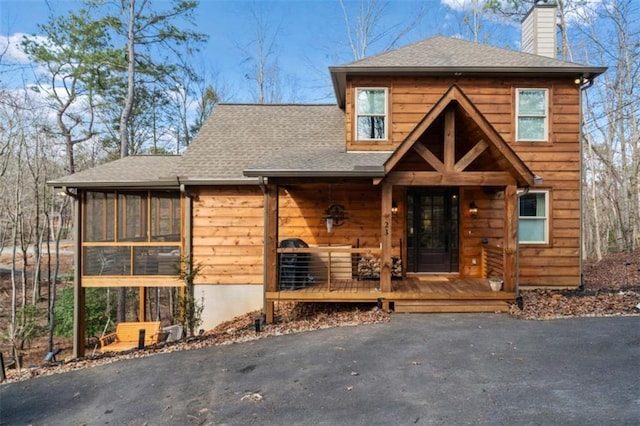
{"points": [[612, 288]]}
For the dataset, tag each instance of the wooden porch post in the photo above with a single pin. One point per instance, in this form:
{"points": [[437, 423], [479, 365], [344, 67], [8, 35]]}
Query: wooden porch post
{"points": [[385, 238], [271, 254], [142, 304], [78, 290], [510, 235]]}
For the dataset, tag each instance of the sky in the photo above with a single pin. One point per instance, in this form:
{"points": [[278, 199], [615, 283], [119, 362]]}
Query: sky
{"points": [[308, 36]]}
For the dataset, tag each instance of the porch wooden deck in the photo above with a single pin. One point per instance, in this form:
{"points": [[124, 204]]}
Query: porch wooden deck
{"points": [[420, 293]]}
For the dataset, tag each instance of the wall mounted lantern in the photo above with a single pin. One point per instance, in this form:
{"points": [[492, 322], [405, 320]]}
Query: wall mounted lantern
{"points": [[394, 208], [473, 209], [334, 215]]}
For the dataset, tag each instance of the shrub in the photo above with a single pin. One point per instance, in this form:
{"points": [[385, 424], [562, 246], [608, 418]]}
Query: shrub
{"points": [[96, 311]]}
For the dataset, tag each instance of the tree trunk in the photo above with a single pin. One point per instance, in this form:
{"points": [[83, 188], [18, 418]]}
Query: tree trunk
{"points": [[597, 244], [131, 73]]}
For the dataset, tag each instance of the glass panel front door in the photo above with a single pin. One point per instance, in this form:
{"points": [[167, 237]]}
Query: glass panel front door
{"points": [[432, 240]]}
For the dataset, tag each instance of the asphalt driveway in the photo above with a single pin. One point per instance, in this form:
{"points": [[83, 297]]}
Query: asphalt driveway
{"points": [[417, 369]]}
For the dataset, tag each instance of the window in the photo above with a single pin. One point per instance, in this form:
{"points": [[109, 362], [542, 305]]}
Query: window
{"points": [[534, 218], [531, 110], [371, 111]]}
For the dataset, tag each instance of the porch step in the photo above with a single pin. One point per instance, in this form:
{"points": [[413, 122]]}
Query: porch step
{"points": [[450, 306]]}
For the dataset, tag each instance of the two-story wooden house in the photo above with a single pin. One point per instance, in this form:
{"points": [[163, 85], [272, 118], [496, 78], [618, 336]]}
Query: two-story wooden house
{"points": [[443, 163]]}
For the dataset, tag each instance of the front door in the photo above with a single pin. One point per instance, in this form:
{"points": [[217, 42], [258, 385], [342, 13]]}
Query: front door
{"points": [[432, 230]]}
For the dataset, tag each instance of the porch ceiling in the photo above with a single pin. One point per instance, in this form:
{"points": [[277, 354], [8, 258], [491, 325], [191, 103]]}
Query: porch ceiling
{"points": [[454, 144]]}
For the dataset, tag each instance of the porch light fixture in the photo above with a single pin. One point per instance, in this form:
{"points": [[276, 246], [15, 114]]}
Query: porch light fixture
{"points": [[334, 215], [473, 209], [394, 208], [581, 80]]}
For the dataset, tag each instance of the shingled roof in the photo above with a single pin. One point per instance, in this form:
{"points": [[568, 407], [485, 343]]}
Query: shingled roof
{"points": [[238, 136], [239, 142], [132, 171], [441, 55]]}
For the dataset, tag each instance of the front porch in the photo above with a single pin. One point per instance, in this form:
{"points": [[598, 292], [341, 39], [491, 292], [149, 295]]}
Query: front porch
{"points": [[443, 196], [345, 274], [419, 293]]}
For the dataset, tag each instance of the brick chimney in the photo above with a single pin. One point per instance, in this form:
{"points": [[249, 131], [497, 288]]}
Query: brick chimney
{"points": [[539, 29]]}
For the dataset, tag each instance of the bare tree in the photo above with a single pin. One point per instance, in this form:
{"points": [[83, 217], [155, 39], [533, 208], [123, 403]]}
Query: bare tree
{"points": [[612, 126], [14, 218], [57, 223], [261, 55], [366, 28]]}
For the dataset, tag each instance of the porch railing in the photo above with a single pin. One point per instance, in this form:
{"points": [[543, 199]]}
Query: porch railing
{"points": [[320, 267], [492, 261]]}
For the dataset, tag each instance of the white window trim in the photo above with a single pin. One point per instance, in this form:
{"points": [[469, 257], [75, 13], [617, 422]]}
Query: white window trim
{"points": [[546, 115], [386, 113], [546, 218]]}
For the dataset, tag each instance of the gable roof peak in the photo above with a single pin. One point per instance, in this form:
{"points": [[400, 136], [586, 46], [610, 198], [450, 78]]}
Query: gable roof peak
{"points": [[455, 96]]}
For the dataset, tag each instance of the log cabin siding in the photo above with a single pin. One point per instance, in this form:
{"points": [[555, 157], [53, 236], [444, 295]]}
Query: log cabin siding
{"points": [[302, 209], [557, 161], [228, 225], [228, 234]]}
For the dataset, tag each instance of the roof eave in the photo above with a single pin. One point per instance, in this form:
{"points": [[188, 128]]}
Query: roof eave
{"points": [[377, 172], [168, 183], [218, 181], [155, 184]]}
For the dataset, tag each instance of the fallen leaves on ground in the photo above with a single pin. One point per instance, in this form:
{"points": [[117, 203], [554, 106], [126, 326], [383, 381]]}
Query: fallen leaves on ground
{"points": [[291, 318], [612, 287], [544, 304]]}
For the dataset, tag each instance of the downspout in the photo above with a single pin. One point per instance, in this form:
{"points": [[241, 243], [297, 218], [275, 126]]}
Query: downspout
{"points": [[519, 299], [71, 194], [265, 196], [584, 86]]}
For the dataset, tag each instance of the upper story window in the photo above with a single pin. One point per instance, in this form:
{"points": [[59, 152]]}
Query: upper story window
{"points": [[533, 222], [371, 114], [532, 106]]}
